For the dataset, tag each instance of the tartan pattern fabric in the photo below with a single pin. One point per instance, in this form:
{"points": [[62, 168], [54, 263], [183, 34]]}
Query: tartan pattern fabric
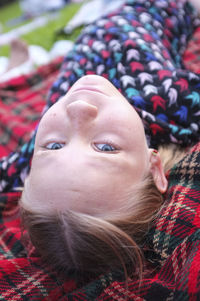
{"points": [[22, 278], [192, 54], [21, 102]]}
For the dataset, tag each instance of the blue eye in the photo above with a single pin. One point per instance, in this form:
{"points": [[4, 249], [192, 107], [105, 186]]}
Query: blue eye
{"points": [[105, 147], [54, 145]]}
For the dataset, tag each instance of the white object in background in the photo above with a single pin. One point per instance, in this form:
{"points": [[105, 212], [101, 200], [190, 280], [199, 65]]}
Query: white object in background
{"points": [[38, 7], [24, 68], [38, 55], [91, 11], [3, 64], [60, 48]]}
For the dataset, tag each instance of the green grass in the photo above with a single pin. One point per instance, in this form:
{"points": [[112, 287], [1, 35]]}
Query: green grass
{"points": [[9, 12], [44, 36]]}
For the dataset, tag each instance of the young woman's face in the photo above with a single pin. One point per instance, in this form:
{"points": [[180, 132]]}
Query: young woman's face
{"points": [[90, 150]]}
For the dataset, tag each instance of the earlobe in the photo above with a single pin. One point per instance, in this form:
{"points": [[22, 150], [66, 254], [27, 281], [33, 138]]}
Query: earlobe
{"points": [[158, 171]]}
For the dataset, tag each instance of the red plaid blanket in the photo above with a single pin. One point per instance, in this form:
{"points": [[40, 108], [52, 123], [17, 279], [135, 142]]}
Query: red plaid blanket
{"points": [[21, 102], [174, 239]]}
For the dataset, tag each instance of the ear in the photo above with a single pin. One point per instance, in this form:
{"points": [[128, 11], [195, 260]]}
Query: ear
{"points": [[157, 171]]}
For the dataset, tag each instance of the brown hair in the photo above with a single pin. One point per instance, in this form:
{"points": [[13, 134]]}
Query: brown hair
{"points": [[171, 154], [71, 241], [86, 244]]}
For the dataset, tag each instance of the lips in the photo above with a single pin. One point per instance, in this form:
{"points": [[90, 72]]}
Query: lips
{"points": [[88, 88]]}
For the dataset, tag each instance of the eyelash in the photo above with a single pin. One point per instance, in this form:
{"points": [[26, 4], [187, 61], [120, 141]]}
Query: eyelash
{"points": [[110, 144], [113, 146], [52, 143]]}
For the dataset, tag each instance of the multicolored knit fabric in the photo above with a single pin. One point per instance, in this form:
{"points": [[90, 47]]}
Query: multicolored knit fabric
{"points": [[139, 50]]}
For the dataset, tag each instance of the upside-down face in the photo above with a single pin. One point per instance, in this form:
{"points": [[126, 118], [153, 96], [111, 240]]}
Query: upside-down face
{"points": [[90, 151]]}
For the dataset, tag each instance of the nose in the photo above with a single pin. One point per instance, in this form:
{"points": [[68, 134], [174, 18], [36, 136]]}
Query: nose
{"points": [[80, 112]]}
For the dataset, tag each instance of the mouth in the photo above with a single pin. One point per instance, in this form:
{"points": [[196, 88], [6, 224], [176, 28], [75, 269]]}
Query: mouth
{"points": [[89, 89]]}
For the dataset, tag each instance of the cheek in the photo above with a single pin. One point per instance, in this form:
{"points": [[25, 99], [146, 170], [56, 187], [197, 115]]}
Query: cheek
{"points": [[116, 183], [44, 193], [53, 114]]}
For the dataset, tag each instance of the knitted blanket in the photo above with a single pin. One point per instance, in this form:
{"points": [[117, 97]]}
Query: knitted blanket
{"points": [[174, 240]]}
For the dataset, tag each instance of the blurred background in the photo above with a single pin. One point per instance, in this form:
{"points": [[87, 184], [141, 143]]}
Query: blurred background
{"points": [[47, 28], [36, 22]]}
